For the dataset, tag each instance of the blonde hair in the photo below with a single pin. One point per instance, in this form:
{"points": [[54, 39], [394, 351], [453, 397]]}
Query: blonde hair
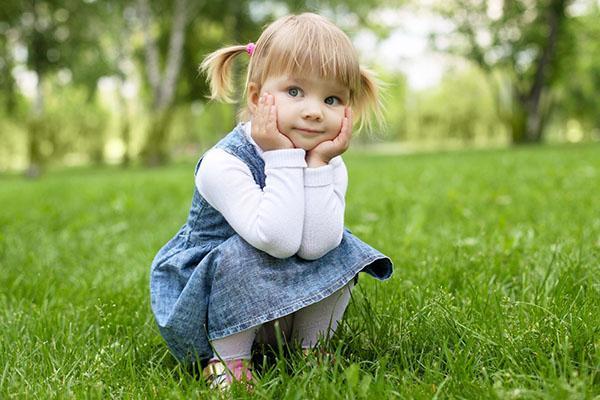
{"points": [[298, 45]]}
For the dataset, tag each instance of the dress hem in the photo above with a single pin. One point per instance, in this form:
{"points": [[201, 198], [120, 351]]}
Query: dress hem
{"points": [[282, 312]]}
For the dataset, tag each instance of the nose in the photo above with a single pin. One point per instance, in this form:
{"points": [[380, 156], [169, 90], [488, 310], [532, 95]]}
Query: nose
{"points": [[312, 111]]}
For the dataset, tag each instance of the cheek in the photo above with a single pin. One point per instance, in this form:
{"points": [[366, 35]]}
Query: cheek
{"points": [[284, 116], [331, 133], [335, 123]]}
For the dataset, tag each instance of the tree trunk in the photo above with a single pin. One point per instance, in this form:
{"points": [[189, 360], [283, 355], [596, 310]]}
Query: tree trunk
{"points": [[36, 126], [531, 125], [518, 121], [155, 152], [125, 128], [163, 85], [126, 138], [11, 91], [35, 131]]}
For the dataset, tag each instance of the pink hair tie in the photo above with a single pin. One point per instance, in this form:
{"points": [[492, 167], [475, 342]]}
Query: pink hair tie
{"points": [[250, 48]]}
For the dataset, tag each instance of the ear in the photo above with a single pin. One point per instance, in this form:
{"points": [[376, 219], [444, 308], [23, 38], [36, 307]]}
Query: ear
{"points": [[253, 96]]}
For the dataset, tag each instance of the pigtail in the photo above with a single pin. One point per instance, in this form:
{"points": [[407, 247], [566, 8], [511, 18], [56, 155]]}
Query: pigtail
{"points": [[368, 105], [218, 69]]}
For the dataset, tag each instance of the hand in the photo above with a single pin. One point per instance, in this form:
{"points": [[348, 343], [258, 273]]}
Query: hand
{"points": [[325, 151], [264, 126]]}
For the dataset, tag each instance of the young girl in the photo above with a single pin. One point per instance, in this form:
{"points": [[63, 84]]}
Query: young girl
{"points": [[264, 245]]}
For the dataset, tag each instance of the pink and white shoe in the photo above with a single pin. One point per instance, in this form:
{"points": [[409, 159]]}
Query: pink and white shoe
{"points": [[222, 374]]}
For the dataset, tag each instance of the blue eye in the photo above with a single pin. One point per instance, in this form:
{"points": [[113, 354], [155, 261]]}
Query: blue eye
{"points": [[294, 91], [332, 100]]}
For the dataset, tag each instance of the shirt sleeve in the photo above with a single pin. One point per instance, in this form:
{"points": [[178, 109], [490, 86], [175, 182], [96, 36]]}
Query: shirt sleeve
{"points": [[269, 219], [324, 197]]}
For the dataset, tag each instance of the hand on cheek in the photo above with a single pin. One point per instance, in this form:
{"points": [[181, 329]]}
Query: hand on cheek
{"points": [[264, 126], [325, 151]]}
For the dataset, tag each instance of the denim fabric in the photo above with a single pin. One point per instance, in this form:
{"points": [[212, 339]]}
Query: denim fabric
{"points": [[207, 282]]}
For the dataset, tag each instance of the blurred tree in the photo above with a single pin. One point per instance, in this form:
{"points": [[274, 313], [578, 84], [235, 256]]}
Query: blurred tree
{"points": [[7, 81], [578, 96], [162, 84], [518, 39], [460, 110], [54, 34], [116, 46], [180, 43], [395, 95]]}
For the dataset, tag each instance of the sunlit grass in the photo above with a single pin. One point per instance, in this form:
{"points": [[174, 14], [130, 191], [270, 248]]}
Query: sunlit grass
{"points": [[496, 291]]}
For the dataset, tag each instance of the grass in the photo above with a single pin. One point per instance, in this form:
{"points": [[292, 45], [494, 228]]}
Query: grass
{"points": [[496, 291]]}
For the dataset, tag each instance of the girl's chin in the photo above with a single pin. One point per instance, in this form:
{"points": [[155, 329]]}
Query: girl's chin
{"points": [[307, 145]]}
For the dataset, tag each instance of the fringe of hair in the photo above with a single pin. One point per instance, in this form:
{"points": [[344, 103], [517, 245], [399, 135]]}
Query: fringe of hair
{"points": [[218, 69]]}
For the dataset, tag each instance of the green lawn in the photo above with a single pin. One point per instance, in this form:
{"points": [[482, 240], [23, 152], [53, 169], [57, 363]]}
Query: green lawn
{"points": [[496, 291]]}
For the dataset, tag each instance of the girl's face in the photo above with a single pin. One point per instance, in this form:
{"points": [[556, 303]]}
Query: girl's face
{"points": [[309, 109]]}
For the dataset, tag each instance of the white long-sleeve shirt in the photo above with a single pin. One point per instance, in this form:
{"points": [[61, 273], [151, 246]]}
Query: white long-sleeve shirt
{"points": [[299, 211]]}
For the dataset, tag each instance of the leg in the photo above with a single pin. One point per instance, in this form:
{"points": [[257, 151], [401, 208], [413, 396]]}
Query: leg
{"points": [[235, 353], [322, 318], [236, 346], [267, 336]]}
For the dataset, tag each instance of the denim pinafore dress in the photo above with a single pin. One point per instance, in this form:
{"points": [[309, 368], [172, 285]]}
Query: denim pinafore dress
{"points": [[207, 282]]}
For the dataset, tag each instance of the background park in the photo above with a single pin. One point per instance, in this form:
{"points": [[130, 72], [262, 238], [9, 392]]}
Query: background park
{"points": [[483, 188]]}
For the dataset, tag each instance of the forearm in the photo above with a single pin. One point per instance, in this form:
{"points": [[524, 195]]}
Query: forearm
{"points": [[324, 211], [276, 218]]}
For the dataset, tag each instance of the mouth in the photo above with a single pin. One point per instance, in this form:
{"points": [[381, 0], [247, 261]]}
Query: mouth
{"points": [[309, 131]]}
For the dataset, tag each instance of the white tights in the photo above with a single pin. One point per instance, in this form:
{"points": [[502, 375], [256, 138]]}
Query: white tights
{"points": [[305, 326]]}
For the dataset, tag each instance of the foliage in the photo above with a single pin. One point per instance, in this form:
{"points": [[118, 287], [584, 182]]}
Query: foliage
{"points": [[71, 126], [495, 292], [79, 43], [460, 109], [12, 150], [518, 39], [59, 34], [578, 93], [395, 96], [55, 35]]}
